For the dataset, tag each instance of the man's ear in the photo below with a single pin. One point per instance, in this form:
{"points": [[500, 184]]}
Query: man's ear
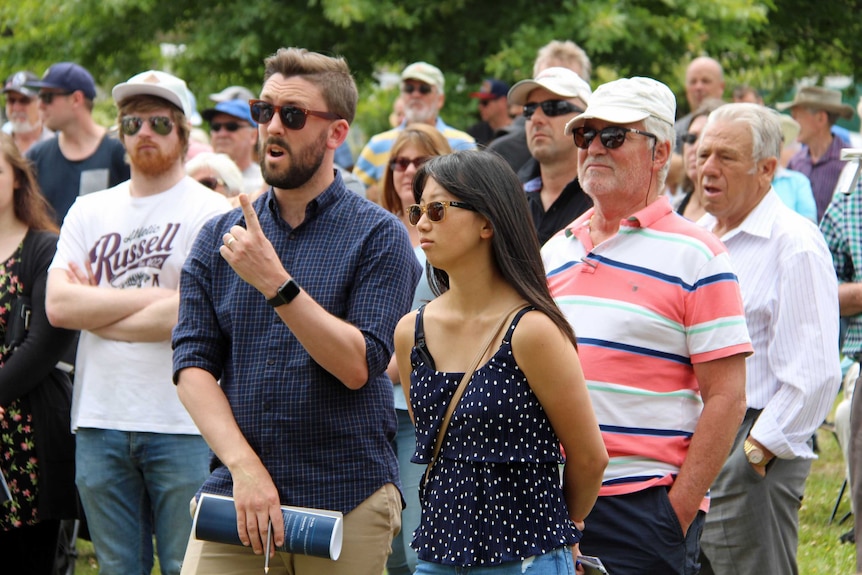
{"points": [[337, 133], [661, 152]]}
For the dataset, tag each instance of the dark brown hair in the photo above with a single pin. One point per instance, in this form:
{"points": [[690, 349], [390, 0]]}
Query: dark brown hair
{"points": [[331, 75], [487, 182], [31, 208]]}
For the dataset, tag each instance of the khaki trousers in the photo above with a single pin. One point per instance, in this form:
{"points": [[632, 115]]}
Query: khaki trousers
{"points": [[368, 533]]}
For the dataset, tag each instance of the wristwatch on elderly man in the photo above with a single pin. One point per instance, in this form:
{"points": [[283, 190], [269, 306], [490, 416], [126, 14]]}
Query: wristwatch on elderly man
{"points": [[755, 454]]}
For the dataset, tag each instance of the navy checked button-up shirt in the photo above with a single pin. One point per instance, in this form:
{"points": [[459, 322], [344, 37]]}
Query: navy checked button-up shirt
{"points": [[324, 445]]}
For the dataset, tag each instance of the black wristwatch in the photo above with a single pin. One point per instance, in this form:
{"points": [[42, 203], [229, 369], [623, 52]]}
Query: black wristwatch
{"points": [[285, 294]]}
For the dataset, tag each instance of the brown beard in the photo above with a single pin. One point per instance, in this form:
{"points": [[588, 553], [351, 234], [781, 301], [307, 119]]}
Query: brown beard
{"points": [[154, 162], [302, 166]]}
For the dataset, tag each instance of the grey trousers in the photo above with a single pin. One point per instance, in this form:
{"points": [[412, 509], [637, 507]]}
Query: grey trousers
{"points": [[753, 521]]}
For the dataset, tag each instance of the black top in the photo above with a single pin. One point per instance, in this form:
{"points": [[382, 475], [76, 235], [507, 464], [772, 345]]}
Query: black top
{"points": [[571, 203]]}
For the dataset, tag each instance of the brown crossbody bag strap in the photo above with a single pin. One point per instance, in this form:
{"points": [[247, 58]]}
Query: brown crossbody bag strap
{"points": [[459, 391]]}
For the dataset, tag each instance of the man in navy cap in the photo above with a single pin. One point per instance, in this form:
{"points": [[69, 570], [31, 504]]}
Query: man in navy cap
{"points": [[494, 111], [82, 158], [233, 132], [22, 110]]}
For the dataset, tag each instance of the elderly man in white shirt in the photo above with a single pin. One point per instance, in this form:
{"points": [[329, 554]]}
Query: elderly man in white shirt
{"points": [[790, 295]]}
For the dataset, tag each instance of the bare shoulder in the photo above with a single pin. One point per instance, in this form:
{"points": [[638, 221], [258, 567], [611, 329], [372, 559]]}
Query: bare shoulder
{"points": [[406, 325], [535, 331]]}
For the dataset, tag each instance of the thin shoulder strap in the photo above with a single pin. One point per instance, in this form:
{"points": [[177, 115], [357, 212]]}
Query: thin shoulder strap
{"points": [[468, 374]]}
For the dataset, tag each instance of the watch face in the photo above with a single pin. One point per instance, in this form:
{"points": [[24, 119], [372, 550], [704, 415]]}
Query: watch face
{"points": [[755, 456]]}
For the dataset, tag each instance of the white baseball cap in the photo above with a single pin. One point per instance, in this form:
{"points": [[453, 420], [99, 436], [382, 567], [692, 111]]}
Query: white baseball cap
{"points": [[561, 81], [159, 84], [626, 101]]}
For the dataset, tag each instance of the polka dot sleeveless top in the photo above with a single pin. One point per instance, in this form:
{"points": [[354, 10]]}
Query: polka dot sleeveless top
{"points": [[494, 494]]}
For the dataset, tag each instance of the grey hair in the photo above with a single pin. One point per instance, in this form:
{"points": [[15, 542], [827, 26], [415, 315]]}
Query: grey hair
{"points": [[764, 123], [222, 165], [664, 133]]}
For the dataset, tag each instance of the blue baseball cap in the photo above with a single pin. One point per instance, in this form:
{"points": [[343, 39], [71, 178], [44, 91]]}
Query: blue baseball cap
{"points": [[236, 108], [67, 76], [491, 90]]}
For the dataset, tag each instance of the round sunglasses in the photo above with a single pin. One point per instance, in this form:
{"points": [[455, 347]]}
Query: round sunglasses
{"points": [[611, 137], [424, 89], [551, 108], [436, 211], [292, 117], [161, 125]]}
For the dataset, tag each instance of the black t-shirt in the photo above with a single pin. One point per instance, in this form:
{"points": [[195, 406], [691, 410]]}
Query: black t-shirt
{"points": [[62, 180]]}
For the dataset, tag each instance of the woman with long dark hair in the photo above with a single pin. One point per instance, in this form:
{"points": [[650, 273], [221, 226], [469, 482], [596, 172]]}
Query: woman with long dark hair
{"points": [[37, 453], [492, 498], [416, 144]]}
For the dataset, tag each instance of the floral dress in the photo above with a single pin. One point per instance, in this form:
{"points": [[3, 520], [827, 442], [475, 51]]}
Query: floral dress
{"points": [[18, 461]]}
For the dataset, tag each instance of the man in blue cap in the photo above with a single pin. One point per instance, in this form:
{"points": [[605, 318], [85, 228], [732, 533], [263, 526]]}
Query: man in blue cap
{"points": [[82, 158], [494, 111], [233, 132]]}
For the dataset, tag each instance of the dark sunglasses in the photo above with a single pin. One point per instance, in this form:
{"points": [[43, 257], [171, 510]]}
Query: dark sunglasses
{"points": [[551, 108], [48, 97], [211, 183], [611, 137], [292, 118], [161, 125], [400, 164], [12, 100], [229, 126], [424, 89], [436, 210], [689, 138]]}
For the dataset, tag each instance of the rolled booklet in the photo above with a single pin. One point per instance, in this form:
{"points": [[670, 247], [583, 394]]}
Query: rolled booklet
{"points": [[307, 531]]}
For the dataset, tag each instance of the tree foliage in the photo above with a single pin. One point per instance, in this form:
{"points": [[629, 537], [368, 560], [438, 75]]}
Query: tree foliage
{"points": [[767, 43]]}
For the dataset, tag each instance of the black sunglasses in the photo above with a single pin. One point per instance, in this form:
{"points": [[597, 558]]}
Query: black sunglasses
{"points": [[436, 210], [211, 183], [229, 126], [689, 138], [611, 137], [292, 118], [551, 108], [400, 164], [161, 125], [48, 97], [424, 89]]}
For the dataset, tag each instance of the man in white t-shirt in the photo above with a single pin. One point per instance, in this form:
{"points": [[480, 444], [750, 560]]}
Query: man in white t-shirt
{"points": [[115, 277]]}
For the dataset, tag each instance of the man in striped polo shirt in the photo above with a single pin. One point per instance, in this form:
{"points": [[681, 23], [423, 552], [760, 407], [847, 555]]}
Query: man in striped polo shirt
{"points": [[661, 330]]}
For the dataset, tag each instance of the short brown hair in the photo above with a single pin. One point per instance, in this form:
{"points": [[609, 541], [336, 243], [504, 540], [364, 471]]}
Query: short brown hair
{"points": [[331, 74]]}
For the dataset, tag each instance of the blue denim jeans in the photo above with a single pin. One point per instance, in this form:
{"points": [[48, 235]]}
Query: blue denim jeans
{"points": [[135, 484], [403, 558], [556, 562]]}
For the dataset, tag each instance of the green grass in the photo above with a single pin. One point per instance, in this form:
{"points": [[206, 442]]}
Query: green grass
{"points": [[820, 551]]}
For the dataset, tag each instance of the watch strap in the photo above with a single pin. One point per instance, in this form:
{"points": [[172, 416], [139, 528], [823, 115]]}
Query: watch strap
{"points": [[285, 294]]}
